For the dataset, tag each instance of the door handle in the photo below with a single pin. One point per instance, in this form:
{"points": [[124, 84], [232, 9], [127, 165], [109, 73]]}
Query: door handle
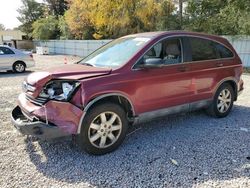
{"points": [[182, 68], [219, 64]]}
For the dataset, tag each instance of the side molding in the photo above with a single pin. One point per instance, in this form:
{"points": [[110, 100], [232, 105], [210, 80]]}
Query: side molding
{"points": [[188, 107]]}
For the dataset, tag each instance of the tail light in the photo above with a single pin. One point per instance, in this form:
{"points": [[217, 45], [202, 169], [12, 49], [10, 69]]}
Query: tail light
{"points": [[31, 55]]}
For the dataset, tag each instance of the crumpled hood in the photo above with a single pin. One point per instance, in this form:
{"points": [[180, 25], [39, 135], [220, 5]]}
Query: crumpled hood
{"points": [[71, 72]]}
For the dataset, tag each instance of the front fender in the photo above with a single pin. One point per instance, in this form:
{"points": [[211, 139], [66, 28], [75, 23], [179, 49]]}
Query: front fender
{"points": [[94, 100]]}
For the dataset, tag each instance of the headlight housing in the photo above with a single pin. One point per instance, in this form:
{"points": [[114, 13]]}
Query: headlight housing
{"points": [[59, 90]]}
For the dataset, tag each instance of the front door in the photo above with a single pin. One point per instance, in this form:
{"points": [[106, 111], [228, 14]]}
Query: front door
{"points": [[168, 86]]}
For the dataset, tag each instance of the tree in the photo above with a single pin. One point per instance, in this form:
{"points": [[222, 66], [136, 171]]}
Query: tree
{"points": [[225, 17], [79, 20], [235, 18], [244, 23], [2, 27], [45, 28], [64, 29], [128, 16], [29, 12], [57, 7], [202, 13], [168, 20], [112, 19]]}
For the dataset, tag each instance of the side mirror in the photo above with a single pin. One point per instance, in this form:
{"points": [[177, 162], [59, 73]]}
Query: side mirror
{"points": [[152, 63]]}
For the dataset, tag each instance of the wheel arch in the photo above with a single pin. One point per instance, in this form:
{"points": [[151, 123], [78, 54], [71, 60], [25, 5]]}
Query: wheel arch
{"points": [[117, 98], [20, 61], [233, 82]]}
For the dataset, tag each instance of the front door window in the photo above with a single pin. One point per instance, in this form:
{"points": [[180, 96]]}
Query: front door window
{"points": [[169, 51]]}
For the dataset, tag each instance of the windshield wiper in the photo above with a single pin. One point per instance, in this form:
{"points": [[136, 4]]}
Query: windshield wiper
{"points": [[87, 64]]}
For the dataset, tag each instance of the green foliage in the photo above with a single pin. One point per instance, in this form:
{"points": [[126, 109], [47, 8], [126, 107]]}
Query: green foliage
{"points": [[28, 14], [57, 7], [45, 28], [225, 17], [244, 24], [112, 19], [78, 18], [100, 19], [168, 20], [64, 29]]}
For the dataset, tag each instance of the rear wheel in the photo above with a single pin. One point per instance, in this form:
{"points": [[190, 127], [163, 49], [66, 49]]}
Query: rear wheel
{"points": [[103, 129], [223, 101], [19, 67]]}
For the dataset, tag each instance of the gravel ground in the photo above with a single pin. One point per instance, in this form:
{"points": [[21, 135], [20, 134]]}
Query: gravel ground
{"points": [[185, 150]]}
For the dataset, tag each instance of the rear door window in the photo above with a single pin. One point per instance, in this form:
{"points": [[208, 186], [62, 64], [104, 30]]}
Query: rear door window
{"points": [[202, 49], [5, 51]]}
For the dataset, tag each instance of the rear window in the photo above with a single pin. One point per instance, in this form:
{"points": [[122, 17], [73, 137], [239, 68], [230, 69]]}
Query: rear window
{"points": [[202, 49]]}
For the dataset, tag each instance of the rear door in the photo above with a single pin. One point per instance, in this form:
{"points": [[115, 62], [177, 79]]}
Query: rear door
{"points": [[7, 58], [208, 66], [158, 88]]}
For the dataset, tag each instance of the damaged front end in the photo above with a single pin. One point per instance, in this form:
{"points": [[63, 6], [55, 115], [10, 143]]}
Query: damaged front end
{"points": [[52, 102], [54, 112]]}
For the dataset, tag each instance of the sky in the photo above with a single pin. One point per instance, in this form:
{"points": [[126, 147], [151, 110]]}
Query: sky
{"points": [[8, 13]]}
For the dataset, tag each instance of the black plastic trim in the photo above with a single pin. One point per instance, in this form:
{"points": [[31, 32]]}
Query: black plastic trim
{"points": [[35, 128]]}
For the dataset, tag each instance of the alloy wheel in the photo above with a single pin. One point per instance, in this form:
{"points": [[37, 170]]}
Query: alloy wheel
{"points": [[105, 129], [19, 67], [224, 101]]}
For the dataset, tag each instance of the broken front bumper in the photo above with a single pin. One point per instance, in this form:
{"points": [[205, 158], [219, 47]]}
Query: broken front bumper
{"points": [[50, 120], [35, 128]]}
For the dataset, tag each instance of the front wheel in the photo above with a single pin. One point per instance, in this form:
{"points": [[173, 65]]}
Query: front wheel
{"points": [[223, 101], [103, 129]]}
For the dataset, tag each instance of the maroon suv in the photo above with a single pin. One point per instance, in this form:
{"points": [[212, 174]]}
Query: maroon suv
{"points": [[130, 80]]}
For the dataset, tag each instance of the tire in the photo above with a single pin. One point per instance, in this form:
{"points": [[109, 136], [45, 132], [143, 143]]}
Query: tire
{"points": [[222, 102], [19, 67], [103, 129]]}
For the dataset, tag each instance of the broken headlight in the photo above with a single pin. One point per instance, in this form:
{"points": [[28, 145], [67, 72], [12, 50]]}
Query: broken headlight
{"points": [[59, 90]]}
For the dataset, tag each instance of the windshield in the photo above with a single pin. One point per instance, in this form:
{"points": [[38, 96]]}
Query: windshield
{"points": [[116, 53]]}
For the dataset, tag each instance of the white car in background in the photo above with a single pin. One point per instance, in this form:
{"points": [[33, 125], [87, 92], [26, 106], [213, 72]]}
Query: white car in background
{"points": [[14, 59]]}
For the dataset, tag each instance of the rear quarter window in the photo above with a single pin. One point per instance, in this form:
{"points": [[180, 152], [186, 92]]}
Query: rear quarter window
{"points": [[223, 51]]}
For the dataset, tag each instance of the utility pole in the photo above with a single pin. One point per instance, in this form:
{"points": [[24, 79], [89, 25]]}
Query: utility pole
{"points": [[180, 12]]}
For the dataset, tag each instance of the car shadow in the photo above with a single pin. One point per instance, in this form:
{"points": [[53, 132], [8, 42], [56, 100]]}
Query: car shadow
{"points": [[13, 74], [179, 150]]}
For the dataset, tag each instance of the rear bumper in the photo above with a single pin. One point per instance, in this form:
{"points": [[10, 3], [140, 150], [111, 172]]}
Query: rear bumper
{"points": [[240, 87], [35, 128], [240, 92]]}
